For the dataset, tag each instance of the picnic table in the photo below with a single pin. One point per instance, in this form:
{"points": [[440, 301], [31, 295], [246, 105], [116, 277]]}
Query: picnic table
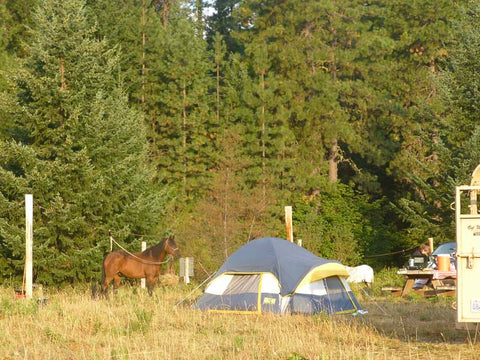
{"points": [[437, 282]]}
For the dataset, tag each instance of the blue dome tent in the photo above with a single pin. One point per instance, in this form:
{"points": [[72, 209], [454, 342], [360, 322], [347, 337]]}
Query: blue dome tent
{"points": [[275, 275]]}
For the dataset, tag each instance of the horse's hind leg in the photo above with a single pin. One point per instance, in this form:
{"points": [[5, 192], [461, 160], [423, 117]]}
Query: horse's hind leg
{"points": [[105, 284], [116, 282]]}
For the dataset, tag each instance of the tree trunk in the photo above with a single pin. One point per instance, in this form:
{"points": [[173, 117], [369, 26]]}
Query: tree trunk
{"points": [[333, 162], [184, 140], [199, 11], [63, 83], [143, 53], [264, 180], [217, 60], [225, 215], [165, 12]]}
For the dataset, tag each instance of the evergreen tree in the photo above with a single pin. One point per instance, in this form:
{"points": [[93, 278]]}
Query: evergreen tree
{"points": [[76, 145], [223, 22], [268, 138], [418, 171], [133, 26], [219, 58], [184, 98], [230, 214], [334, 227], [456, 155], [313, 52], [341, 91], [422, 32], [16, 18], [459, 81]]}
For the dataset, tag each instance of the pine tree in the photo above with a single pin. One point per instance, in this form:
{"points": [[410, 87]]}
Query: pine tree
{"points": [[76, 145], [427, 210], [183, 98], [223, 22], [268, 138], [133, 26], [327, 56], [459, 81], [16, 18], [5, 57], [334, 227], [417, 170], [230, 214]]}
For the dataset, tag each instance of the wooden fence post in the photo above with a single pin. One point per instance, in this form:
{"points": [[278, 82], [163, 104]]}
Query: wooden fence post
{"points": [[186, 278], [28, 246], [143, 281], [289, 223]]}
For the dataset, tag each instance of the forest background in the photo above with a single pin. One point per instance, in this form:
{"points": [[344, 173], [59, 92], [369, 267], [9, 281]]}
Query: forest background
{"points": [[156, 117]]}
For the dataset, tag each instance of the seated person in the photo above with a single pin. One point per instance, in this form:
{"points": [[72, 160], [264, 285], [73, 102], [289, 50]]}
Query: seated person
{"points": [[424, 251], [420, 258]]}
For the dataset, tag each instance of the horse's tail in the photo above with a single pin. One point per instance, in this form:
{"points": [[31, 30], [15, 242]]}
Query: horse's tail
{"points": [[103, 271], [97, 289]]}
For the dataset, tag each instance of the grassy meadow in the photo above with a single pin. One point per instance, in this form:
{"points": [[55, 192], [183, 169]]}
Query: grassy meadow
{"points": [[131, 325]]}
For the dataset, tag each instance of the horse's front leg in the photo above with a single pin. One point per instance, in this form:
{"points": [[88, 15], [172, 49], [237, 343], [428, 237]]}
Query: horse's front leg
{"points": [[170, 268], [150, 284]]}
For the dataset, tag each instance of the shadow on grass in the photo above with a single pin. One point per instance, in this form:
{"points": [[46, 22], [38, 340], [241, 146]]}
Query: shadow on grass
{"points": [[414, 319]]}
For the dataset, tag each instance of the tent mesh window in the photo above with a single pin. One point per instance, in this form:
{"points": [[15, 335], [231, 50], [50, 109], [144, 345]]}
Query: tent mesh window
{"points": [[339, 299], [242, 293]]}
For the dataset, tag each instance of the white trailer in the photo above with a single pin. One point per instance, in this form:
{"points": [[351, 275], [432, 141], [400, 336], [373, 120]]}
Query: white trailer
{"points": [[467, 219]]}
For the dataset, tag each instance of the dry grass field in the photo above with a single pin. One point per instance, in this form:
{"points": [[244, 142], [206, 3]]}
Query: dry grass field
{"points": [[131, 325]]}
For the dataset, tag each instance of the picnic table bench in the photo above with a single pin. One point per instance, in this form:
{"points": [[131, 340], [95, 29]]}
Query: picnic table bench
{"points": [[437, 282]]}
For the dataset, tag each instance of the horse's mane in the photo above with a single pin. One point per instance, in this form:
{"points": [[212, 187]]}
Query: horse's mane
{"points": [[155, 250]]}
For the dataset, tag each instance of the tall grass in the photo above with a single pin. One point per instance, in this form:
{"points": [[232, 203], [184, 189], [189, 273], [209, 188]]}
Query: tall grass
{"points": [[131, 325]]}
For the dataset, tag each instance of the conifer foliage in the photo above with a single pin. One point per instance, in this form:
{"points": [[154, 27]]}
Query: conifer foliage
{"points": [[76, 145], [361, 115]]}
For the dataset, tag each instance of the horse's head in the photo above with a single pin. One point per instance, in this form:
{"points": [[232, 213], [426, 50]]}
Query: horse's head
{"points": [[171, 247]]}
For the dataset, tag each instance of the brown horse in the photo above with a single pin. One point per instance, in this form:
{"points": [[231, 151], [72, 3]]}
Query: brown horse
{"points": [[146, 264]]}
